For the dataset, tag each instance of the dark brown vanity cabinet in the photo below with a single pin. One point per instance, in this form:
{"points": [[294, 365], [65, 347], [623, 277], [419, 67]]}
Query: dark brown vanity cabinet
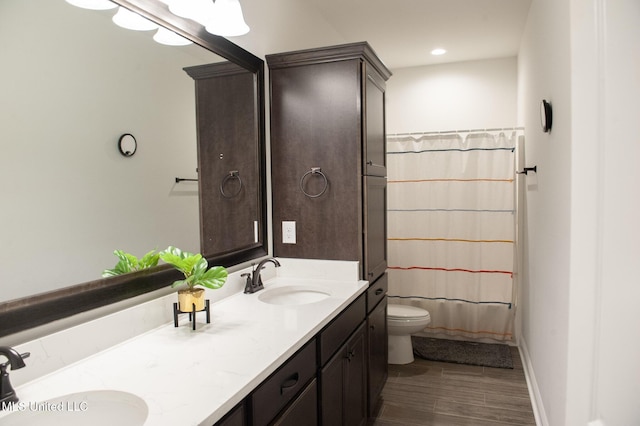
{"points": [[328, 155]]}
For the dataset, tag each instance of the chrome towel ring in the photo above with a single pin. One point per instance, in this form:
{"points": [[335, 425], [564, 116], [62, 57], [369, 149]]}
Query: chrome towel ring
{"points": [[314, 171], [233, 174]]}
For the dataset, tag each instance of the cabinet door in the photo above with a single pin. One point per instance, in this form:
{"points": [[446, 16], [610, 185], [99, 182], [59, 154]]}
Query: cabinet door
{"points": [[343, 395], [356, 380], [375, 149], [315, 122], [375, 227], [378, 342]]}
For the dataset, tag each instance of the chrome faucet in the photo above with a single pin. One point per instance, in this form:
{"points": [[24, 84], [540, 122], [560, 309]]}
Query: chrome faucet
{"points": [[254, 283], [16, 361]]}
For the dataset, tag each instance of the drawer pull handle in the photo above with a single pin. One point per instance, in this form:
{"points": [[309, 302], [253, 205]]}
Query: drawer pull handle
{"points": [[289, 383], [379, 291]]}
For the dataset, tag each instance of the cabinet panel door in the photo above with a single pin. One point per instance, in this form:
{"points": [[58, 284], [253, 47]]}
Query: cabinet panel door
{"points": [[356, 380], [343, 398], [375, 227], [378, 342], [332, 390], [315, 122], [375, 135]]}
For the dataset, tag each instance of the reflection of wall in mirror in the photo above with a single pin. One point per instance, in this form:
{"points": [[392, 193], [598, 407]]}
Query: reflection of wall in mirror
{"points": [[69, 197]]}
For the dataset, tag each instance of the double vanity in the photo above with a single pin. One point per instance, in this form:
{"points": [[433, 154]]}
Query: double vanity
{"points": [[268, 356]]}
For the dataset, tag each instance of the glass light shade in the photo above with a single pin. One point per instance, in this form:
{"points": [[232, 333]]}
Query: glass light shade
{"points": [[197, 10], [168, 37], [227, 19], [93, 4], [132, 21]]}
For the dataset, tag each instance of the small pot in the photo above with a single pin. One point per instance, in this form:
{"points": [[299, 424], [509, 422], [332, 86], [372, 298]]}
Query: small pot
{"points": [[187, 298]]}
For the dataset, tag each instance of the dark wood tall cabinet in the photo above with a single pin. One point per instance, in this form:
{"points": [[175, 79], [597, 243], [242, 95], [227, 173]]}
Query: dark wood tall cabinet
{"points": [[327, 149], [328, 174]]}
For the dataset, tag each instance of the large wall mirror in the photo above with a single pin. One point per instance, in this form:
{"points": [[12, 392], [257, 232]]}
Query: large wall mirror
{"points": [[72, 84]]}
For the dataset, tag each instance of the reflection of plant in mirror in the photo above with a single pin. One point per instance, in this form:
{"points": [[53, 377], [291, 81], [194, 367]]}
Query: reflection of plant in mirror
{"points": [[195, 269], [130, 263]]}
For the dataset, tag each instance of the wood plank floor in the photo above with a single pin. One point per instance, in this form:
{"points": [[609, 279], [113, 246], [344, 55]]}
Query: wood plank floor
{"points": [[445, 394]]}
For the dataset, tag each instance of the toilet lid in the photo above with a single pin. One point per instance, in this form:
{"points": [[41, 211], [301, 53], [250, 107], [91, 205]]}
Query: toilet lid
{"points": [[405, 311]]}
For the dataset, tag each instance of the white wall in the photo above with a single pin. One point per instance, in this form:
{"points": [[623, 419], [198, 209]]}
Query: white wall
{"points": [[580, 329], [456, 96], [545, 73]]}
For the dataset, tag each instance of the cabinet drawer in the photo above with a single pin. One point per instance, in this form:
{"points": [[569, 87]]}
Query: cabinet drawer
{"points": [[334, 335], [377, 291], [302, 411], [280, 388]]}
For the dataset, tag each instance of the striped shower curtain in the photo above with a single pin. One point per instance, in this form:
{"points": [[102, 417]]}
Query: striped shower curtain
{"points": [[451, 230]]}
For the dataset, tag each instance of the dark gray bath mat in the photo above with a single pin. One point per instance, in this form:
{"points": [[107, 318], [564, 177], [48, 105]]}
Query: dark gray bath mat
{"points": [[471, 353]]}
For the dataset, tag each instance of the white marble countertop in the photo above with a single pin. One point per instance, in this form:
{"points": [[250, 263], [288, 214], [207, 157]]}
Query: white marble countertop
{"points": [[245, 342]]}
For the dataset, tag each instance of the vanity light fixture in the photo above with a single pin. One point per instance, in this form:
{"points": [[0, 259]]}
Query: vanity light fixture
{"points": [[132, 21], [227, 20], [93, 4], [169, 38], [219, 17], [439, 51], [196, 10]]}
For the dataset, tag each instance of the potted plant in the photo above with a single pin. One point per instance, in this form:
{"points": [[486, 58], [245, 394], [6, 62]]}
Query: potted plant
{"points": [[130, 263], [197, 274]]}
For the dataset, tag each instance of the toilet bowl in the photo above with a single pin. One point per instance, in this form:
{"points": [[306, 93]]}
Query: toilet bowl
{"points": [[402, 322]]}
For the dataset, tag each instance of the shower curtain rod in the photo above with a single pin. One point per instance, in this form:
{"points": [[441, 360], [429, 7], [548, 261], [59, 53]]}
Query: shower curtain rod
{"points": [[442, 132]]}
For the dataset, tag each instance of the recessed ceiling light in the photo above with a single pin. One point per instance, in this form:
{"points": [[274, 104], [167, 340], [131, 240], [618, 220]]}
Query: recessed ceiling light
{"points": [[438, 51]]}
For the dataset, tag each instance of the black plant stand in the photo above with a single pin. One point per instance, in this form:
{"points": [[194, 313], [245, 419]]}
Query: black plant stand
{"points": [[192, 314]]}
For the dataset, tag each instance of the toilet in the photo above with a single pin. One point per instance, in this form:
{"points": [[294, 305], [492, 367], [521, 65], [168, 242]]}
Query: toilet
{"points": [[402, 322]]}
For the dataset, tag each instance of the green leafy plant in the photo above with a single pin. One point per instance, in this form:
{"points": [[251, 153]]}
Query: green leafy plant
{"points": [[195, 269], [130, 263]]}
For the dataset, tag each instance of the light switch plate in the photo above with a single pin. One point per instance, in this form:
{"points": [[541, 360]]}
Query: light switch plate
{"points": [[288, 232]]}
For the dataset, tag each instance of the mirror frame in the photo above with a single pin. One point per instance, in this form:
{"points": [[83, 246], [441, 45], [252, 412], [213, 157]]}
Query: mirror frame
{"points": [[39, 309]]}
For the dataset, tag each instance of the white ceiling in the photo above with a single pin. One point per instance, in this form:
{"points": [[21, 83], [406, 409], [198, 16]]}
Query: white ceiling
{"points": [[403, 32]]}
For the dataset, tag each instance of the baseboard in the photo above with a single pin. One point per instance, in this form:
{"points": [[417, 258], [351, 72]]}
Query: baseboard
{"points": [[534, 391]]}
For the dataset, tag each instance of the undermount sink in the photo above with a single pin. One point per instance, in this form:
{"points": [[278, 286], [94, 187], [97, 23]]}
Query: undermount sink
{"points": [[95, 408], [292, 295]]}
